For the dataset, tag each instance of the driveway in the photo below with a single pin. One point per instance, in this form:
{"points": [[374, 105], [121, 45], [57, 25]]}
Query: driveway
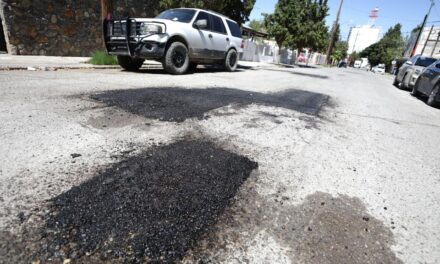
{"points": [[265, 165]]}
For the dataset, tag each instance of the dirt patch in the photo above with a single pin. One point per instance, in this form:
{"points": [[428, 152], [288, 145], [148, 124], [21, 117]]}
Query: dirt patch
{"points": [[150, 207], [179, 104], [322, 229]]}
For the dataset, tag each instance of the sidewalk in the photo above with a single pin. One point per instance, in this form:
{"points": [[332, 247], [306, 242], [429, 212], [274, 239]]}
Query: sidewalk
{"points": [[50, 63]]}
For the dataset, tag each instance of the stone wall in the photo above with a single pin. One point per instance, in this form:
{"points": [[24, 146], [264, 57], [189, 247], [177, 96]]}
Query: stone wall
{"points": [[62, 27]]}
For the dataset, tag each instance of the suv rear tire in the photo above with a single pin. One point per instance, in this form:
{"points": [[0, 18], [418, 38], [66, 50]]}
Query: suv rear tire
{"points": [[231, 60], [129, 63], [176, 59]]}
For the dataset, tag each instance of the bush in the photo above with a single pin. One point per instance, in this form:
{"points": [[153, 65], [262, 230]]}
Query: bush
{"points": [[102, 58]]}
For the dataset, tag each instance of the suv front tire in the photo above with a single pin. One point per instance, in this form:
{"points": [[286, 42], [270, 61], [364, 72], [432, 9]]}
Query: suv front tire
{"points": [[130, 64], [176, 59]]}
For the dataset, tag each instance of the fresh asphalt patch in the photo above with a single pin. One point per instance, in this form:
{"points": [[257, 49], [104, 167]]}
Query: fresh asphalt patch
{"points": [[179, 104], [147, 208]]}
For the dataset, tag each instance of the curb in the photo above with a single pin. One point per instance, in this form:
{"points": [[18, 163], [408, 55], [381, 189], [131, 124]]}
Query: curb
{"points": [[54, 68]]}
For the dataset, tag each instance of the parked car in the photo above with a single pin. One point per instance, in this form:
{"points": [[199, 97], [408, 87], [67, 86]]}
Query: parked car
{"points": [[428, 84], [410, 71], [342, 64], [179, 38], [399, 63], [379, 69]]}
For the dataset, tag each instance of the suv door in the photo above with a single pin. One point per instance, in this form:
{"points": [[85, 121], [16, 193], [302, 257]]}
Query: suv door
{"points": [[220, 39], [203, 42], [235, 35]]}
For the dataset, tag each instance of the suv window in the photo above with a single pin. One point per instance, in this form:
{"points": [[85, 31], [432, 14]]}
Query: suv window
{"points": [[218, 25], [181, 15], [203, 15], [425, 62], [234, 28]]}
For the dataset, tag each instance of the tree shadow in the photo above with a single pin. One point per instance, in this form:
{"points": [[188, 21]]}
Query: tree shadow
{"points": [[148, 208], [179, 104]]}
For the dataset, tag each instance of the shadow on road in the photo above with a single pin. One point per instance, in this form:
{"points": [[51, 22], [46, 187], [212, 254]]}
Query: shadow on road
{"points": [[319, 76], [151, 207], [179, 104]]}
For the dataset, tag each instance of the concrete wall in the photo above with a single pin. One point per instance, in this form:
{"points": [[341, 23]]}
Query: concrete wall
{"points": [[62, 27]]}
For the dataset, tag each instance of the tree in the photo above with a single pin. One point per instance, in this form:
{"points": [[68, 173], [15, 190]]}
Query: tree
{"points": [[313, 32], [257, 25], [106, 8], [276, 27], [299, 24], [387, 49], [340, 50], [238, 10]]}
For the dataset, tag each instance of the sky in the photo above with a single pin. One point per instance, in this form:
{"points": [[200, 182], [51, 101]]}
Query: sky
{"points": [[409, 13]]}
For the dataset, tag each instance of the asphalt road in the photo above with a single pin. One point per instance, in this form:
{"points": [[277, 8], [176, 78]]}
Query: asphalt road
{"points": [[265, 165]]}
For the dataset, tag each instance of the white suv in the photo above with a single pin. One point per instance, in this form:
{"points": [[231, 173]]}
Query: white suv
{"points": [[179, 38]]}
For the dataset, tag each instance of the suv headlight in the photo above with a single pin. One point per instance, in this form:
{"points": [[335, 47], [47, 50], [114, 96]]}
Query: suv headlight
{"points": [[148, 29]]}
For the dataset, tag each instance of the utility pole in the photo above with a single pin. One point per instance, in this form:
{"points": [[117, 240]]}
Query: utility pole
{"points": [[332, 35], [106, 8], [421, 29]]}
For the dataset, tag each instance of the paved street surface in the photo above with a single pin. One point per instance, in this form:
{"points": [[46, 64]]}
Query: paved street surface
{"points": [[265, 165]]}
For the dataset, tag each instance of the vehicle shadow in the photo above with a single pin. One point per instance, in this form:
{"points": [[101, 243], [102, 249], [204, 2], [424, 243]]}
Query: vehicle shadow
{"points": [[201, 69], [319, 76], [178, 104], [424, 99], [153, 206]]}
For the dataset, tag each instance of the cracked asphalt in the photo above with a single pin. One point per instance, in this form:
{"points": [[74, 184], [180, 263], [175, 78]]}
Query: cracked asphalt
{"points": [[265, 165]]}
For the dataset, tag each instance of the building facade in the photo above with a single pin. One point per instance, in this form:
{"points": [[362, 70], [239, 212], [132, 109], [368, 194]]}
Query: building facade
{"points": [[360, 37], [428, 45], [61, 28]]}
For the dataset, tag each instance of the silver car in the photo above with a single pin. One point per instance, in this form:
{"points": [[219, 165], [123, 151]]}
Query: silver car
{"points": [[428, 84], [410, 71]]}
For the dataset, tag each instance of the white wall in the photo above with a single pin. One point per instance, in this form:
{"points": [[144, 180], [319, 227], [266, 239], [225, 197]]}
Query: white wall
{"points": [[362, 37]]}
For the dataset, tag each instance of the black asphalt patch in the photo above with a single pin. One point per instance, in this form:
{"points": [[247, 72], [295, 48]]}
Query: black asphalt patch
{"points": [[178, 104], [151, 207]]}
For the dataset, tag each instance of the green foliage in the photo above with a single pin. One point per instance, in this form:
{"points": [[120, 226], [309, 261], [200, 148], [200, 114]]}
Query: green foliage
{"points": [[387, 49], [257, 25], [354, 57], [102, 58], [238, 10], [340, 50], [299, 24], [276, 26]]}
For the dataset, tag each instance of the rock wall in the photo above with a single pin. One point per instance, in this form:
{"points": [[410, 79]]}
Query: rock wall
{"points": [[62, 27]]}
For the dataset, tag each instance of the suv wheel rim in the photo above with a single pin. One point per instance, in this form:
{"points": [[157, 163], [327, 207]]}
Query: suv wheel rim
{"points": [[233, 59], [178, 58]]}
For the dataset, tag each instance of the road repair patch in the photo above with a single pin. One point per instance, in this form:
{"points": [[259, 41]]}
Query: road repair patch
{"points": [[149, 207], [179, 104]]}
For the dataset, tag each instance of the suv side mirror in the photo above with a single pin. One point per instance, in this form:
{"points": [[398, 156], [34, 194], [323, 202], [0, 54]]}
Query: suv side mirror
{"points": [[201, 24], [437, 65]]}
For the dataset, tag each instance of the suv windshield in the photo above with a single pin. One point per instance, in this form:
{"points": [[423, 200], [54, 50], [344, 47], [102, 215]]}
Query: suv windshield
{"points": [[180, 15], [425, 62]]}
